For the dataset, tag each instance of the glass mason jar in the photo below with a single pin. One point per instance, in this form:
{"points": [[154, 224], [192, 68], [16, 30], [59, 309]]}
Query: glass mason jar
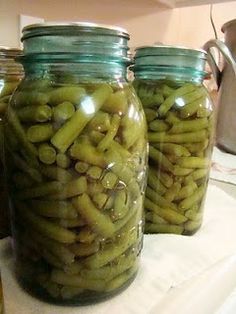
{"points": [[179, 113], [10, 76], [76, 165]]}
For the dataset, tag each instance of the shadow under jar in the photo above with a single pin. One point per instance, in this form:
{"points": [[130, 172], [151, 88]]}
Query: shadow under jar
{"points": [[76, 164], [10, 75], [179, 112]]}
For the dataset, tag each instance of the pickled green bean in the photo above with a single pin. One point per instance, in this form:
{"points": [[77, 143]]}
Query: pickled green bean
{"points": [[66, 135], [116, 103], [97, 220], [62, 160], [42, 189], [34, 114], [73, 94], [54, 209], [163, 228], [111, 133], [47, 154], [63, 111], [193, 199], [191, 137]]}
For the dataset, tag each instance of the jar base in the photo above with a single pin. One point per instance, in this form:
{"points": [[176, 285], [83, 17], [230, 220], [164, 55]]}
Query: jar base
{"points": [[84, 299]]}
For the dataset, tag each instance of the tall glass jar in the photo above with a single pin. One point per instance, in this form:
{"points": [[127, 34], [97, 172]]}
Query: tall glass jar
{"points": [[76, 164], [179, 112], [10, 76]]}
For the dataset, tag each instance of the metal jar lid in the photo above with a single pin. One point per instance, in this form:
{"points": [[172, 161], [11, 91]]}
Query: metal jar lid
{"points": [[10, 52]]}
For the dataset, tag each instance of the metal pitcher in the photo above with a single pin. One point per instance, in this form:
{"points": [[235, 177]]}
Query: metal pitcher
{"points": [[226, 81]]}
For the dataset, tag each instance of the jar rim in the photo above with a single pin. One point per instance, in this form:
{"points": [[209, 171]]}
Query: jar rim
{"points": [[10, 52], [29, 30], [167, 50]]}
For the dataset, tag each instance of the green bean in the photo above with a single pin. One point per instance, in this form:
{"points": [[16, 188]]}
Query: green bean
{"points": [[158, 199], [193, 162], [111, 251], [98, 221], [45, 227], [81, 167], [150, 100], [107, 272], [66, 135], [193, 213], [204, 112], [154, 218], [179, 171], [169, 102], [95, 187], [84, 249], [191, 108], [62, 160], [158, 126], [54, 209], [155, 183], [42, 189], [166, 90], [68, 292], [111, 133], [189, 126], [73, 94], [19, 132], [56, 173], [186, 191], [70, 189], [39, 132], [167, 214], [34, 114], [100, 199], [172, 192], [87, 153], [12, 140], [160, 158], [173, 149], [94, 172], [59, 250], [197, 147], [193, 199], [197, 174], [116, 103], [8, 88], [21, 180], [191, 137], [61, 278], [86, 235], [47, 154], [165, 179], [120, 207], [172, 118], [63, 111], [70, 223], [101, 122], [23, 166], [130, 130], [51, 287], [163, 228], [150, 114], [192, 225], [109, 181], [121, 279], [73, 268], [30, 98], [3, 106]]}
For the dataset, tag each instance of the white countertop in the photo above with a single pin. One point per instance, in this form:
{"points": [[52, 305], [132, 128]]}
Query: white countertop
{"points": [[178, 274]]}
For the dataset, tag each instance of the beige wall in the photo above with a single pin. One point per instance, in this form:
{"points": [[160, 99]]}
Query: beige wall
{"points": [[146, 23], [184, 26]]}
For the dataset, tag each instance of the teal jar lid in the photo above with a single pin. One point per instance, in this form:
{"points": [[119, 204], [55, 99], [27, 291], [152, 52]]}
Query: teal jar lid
{"points": [[169, 60], [83, 39]]}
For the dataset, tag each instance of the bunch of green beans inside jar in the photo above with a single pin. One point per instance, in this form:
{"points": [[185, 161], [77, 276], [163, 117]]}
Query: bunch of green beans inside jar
{"points": [[76, 159], [180, 121], [10, 76]]}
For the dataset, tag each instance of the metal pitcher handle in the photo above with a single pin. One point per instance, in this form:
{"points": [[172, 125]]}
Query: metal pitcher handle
{"points": [[225, 52]]}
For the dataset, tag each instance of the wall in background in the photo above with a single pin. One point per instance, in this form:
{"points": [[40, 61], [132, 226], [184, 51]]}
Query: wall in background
{"points": [[146, 22]]}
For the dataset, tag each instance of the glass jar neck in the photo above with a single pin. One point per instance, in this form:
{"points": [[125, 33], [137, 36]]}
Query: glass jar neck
{"points": [[169, 73], [85, 67], [8, 67]]}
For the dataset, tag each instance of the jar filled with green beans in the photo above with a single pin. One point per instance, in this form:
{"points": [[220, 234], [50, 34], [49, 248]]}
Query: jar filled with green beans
{"points": [[180, 117], [76, 163], [10, 76]]}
